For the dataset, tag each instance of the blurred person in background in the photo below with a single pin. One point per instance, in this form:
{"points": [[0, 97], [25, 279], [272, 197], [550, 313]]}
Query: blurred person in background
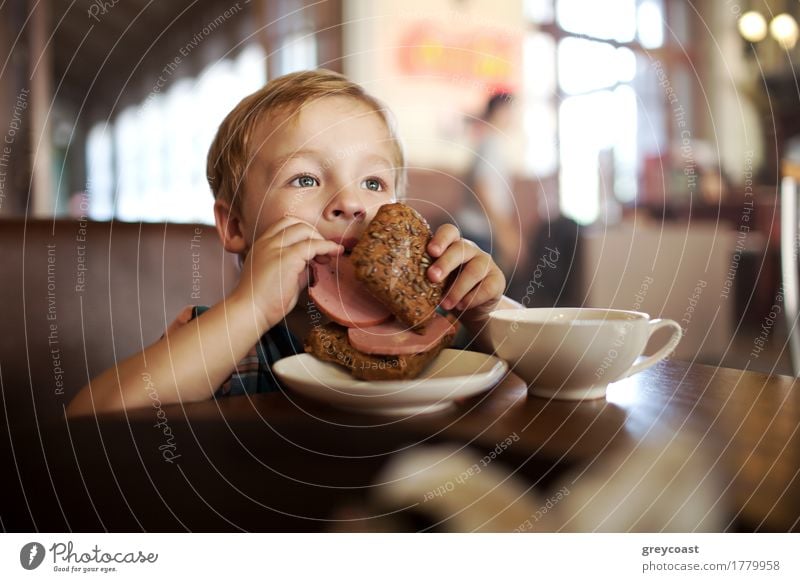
{"points": [[488, 214]]}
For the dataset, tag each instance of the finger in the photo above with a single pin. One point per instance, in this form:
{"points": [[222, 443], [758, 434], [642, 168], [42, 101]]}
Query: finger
{"points": [[445, 236], [276, 227], [456, 254], [490, 290], [471, 275], [306, 250], [283, 224], [293, 234]]}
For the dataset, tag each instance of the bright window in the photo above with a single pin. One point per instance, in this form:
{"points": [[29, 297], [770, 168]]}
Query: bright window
{"points": [[649, 20], [100, 169], [159, 147], [298, 52], [609, 19], [606, 113], [541, 155]]}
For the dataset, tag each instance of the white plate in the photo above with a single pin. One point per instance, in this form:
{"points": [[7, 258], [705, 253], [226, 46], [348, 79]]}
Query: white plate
{"points": [[452, 375]]}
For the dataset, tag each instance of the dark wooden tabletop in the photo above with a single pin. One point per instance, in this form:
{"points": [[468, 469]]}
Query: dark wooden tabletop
{"points": [[280, 462]]}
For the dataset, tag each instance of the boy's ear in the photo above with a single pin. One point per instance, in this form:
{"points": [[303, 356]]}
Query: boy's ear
{"points": [[229, 228]]}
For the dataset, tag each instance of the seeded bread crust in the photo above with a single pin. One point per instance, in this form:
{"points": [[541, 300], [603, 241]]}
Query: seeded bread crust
{"points": [[391, 261], [329, 343]]}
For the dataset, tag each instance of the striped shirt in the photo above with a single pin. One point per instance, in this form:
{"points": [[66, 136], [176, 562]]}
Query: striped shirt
{"points": [[253, 374]]}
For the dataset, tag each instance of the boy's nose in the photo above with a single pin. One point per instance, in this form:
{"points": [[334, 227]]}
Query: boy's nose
{"points": [[346, 204]]}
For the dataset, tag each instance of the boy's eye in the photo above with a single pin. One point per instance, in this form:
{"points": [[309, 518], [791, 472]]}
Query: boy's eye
{"points": [[305, 181], [372, 184]]}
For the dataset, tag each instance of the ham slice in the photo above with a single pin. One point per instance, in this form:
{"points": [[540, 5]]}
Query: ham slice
{"points": [[338, 294], [394, 338]]}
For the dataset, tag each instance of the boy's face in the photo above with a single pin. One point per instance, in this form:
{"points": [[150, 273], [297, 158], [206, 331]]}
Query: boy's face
{"points": [[331, 164]]}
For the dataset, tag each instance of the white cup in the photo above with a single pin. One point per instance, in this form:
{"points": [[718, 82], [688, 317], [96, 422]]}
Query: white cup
{"points": [[575, 353]]}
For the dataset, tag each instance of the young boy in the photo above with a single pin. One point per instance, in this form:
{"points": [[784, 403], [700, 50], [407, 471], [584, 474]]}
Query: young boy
{"points": [[298, 169]]}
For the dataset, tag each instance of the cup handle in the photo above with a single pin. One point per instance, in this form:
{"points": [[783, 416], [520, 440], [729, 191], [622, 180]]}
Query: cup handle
{"points": [[655, 325]]}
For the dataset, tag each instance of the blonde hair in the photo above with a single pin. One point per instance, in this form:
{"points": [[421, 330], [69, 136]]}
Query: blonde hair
{"points": [[230, 152]]}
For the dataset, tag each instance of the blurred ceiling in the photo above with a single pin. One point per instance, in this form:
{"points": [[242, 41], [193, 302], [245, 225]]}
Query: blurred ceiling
{"points": [[113, 51]]}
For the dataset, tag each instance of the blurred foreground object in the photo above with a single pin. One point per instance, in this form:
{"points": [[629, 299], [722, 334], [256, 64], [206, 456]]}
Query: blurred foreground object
{"points": [[660, 484]]}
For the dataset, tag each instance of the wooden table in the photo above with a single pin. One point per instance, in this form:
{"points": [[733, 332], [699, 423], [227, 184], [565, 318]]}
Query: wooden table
{"points": [[278, 462]]}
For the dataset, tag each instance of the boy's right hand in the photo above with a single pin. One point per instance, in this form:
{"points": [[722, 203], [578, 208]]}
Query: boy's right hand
{"points": [[274, 271]]}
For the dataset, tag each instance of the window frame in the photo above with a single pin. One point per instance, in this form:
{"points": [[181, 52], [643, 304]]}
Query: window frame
{"points": [[673, 55]]}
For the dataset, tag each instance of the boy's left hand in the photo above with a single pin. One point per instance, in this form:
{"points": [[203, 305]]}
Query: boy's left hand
{"points": [[479, 285]]}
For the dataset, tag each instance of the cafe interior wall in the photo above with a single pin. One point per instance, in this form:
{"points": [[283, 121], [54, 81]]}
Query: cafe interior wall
{"points": [[431, 90], [14, 171], [430, 102], [732, 121], [745, 109], [435, 62]]}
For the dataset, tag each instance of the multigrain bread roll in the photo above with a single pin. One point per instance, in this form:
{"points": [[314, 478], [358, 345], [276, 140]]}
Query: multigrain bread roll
{"points": [[380, 302], [391, 262]]}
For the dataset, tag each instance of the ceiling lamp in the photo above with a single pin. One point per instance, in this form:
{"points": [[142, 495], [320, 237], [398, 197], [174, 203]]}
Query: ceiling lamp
{"points": [[753, 26], [783, 29]]}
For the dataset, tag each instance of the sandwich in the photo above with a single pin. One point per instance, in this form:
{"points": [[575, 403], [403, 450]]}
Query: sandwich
{"points": [[380, 302]]}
